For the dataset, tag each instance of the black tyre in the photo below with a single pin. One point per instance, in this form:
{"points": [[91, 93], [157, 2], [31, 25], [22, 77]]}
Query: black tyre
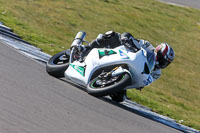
{"points": [[99, 88], [57, 64]]}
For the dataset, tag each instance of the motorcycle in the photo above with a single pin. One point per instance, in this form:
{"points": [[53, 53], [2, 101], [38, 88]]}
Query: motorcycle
{"points": [[103, 71]]}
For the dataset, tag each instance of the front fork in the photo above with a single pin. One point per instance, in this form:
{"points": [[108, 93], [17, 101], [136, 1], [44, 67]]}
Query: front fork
{"points": [[114, 72]]}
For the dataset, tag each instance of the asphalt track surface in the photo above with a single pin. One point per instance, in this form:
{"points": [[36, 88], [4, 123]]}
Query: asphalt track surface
{"points": [[31, 101], [189, 3]]}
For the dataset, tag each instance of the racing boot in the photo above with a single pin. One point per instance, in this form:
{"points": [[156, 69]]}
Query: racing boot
{"points": [[119, 96]]}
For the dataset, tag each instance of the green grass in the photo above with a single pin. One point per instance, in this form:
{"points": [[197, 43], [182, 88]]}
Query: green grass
{"points": [[52, 25]]}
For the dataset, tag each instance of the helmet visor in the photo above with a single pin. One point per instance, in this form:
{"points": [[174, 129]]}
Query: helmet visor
{"points": [[162, 61]]}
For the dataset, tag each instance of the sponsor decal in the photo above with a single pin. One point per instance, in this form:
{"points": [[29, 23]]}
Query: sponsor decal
{"points": [[79, 69], [123, 55], [103, 52], [148, 81]]}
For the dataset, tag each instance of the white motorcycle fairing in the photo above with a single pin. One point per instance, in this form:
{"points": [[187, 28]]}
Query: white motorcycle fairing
{"points": [[139, 65]]}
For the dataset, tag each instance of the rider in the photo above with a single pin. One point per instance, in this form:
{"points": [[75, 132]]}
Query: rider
{"points": [[164, 53]]}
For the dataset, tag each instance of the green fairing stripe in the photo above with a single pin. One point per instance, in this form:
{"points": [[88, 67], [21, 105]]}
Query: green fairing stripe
{"points": [[101, 53], [111, 52], [79, 69], [104, 52]]}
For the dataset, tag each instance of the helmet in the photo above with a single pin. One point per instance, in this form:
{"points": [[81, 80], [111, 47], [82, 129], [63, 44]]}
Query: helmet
{"points": [[165, 55]]}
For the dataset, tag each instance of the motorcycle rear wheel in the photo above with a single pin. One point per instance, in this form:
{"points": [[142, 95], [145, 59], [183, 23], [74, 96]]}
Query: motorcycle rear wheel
{"points": [[119, 83], [58, 63]]}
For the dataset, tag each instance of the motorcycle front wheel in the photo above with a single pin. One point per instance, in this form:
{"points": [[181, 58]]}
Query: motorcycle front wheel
{"points": [[58, 64], [100, 87]]}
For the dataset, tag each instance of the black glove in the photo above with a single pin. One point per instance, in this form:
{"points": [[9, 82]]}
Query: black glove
{"points": [[128, 44]]}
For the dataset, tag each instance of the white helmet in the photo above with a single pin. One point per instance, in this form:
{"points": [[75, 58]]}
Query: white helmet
{"points": [[165, 55]]}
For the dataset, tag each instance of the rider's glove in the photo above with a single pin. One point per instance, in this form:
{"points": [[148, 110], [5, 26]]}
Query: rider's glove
{"points": [[79, 48], [128, 44]]}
